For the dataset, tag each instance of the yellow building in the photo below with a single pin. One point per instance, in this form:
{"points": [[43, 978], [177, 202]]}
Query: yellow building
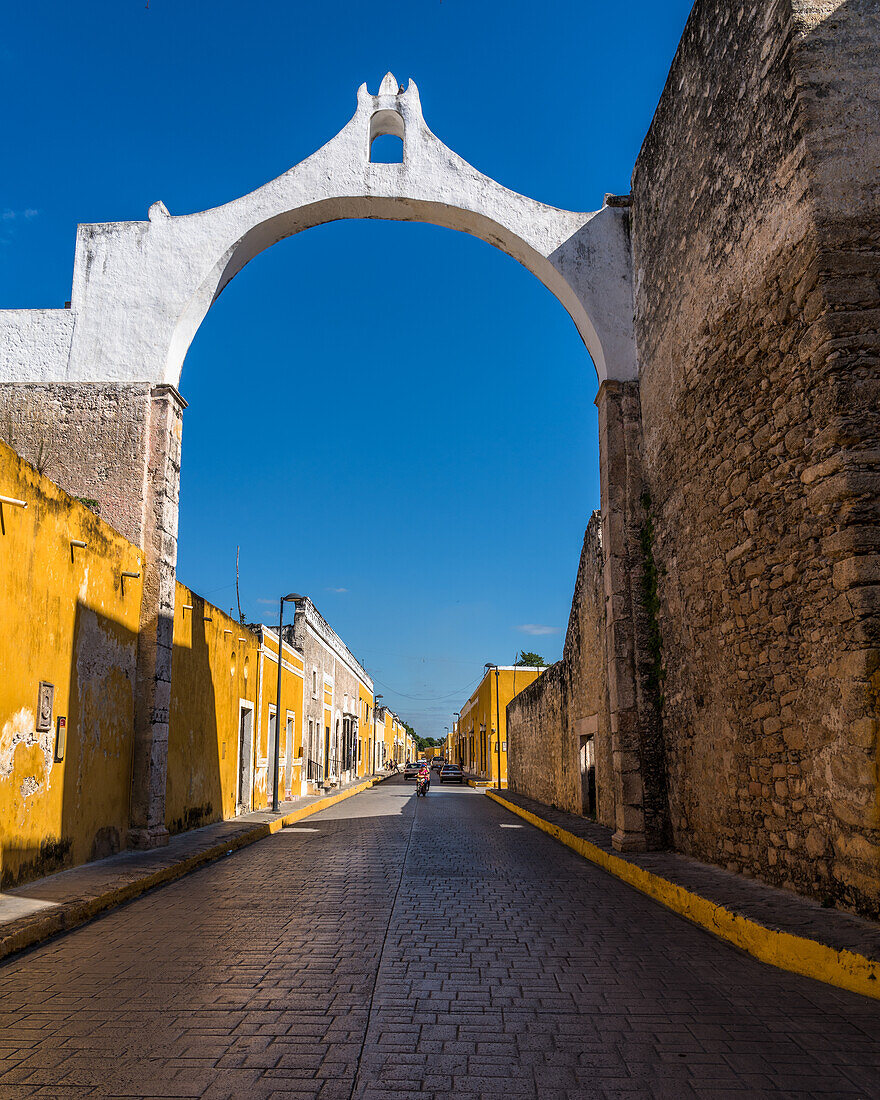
{"points": [[390, 735], [291, 782], [393, 743], [365, 730], [221, 735], [388, 718], [476, 744], [215, 681], [70, 603]]}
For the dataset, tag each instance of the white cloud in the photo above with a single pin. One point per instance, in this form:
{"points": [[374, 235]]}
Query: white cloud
{"points": [[337, 589], [537, 629], [273, 602], [10, 215], [8, 218]]}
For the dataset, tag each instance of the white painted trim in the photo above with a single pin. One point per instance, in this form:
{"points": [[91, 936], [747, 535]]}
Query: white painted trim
{"points": [[285, 647], [273, 657]]}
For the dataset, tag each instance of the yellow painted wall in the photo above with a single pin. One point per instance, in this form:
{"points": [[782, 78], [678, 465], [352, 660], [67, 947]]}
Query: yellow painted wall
{"points": [[291, 700], [70, 619], [215, 664], [476, 741], [389, 736], [365, 728]]}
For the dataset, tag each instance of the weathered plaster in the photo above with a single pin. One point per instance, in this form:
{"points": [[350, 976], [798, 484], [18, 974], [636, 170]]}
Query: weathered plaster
{"points": [[141, 289], [35, 344]]}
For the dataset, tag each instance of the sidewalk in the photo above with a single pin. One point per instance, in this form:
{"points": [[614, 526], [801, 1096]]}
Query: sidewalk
{"points": [[776, 926], [56, 903]]}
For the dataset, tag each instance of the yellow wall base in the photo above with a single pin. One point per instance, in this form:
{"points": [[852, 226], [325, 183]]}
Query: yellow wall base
{"points": [[843, 968]]}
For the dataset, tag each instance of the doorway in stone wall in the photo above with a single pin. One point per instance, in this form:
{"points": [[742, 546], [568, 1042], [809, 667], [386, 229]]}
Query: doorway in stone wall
{"points": [[588, 774]]}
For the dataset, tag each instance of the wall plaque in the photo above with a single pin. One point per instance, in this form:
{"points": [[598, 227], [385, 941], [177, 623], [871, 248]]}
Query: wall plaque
{"points": [[45, 701]]}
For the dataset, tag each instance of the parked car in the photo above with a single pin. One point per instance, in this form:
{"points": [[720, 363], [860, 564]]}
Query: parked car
{"points": [[412, 769], [451, 773], [437, 764]]}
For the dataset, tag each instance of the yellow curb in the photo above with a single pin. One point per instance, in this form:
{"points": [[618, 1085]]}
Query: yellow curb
{"points": [[800, 955], [66, 916]]}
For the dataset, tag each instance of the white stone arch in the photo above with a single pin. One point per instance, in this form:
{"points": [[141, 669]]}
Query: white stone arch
{"points": [[141, 289]]}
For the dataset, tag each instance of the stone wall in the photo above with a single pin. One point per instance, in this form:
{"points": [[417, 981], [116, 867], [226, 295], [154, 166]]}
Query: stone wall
{"points": [[756, 245], [91, 439], [546, 720]]}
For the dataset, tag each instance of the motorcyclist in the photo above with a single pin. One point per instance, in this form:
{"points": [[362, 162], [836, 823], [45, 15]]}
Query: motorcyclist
{"points": [[424, 775]]}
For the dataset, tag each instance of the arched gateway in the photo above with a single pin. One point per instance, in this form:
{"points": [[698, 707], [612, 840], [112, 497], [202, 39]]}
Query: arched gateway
{"points": [[141, 290]]}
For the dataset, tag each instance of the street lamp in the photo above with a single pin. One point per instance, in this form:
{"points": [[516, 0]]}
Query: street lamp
{"points": [[488, 666], [373, 742], [291, 597]]}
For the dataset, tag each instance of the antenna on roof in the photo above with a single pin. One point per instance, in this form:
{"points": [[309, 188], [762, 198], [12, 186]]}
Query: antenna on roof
{"points": [[237, 596]]}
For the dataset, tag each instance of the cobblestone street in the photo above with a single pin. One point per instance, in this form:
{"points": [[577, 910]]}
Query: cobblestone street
{"points": [[399, 947]]}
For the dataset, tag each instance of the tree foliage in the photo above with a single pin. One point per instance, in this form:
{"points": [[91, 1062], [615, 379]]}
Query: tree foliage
{"points": [[533, 660], [422, 742]]}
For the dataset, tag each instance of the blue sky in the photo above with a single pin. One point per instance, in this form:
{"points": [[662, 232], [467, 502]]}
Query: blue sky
{"points": [[426, 479]]}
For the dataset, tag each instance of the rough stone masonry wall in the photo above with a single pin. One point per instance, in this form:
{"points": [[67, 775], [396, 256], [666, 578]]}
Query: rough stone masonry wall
{"points": [[89, 438], [756, 241], [546, 719]]}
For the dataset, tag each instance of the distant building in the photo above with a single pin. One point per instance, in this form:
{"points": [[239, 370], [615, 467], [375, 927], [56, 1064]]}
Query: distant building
{"points": [[337, 696], [475, 741]]}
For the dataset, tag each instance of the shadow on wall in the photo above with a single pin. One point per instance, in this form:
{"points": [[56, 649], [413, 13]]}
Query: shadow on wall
{"points": [[559, 727], [60, 812], [196, 749]]}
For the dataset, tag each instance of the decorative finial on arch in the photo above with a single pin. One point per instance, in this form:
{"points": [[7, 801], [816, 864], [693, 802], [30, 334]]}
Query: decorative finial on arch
{"points": [[388, 88]]}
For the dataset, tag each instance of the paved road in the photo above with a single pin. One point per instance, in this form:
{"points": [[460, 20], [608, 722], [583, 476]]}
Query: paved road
{"points": [[398, 948]]}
